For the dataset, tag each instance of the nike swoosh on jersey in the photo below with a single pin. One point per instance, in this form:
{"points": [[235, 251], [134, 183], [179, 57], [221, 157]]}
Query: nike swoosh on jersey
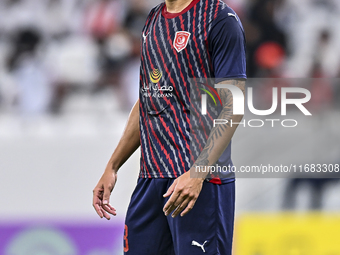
{"points": [[144, 36]]}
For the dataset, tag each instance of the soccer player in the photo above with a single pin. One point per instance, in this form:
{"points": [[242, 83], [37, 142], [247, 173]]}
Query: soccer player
{"points": [[181, 40]]}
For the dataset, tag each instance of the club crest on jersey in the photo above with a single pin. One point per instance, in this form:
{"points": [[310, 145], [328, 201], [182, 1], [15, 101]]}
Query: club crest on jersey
{"points": [[181, 40]]}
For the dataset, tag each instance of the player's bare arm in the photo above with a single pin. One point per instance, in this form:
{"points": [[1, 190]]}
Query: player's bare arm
{"points": [[127, 145], [185, 190]]}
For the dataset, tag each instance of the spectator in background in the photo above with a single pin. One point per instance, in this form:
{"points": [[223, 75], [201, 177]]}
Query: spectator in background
{"points": [[103, 21], [266, 42], [23, 69], [104, 17], [29, 73], [312, 27], [129, 75]]}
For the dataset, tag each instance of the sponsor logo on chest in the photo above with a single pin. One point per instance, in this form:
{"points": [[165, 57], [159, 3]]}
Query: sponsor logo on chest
{"points": [[154, 89]]}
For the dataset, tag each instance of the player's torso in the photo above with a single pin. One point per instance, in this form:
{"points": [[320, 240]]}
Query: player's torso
{"points": [[173, 51]]}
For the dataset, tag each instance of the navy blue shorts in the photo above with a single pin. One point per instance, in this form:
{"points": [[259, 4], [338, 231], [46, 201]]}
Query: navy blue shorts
{"points": [[206, 229]]}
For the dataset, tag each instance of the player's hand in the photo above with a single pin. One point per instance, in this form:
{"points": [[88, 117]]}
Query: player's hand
{"points": [[184, 192], [102, 192]]}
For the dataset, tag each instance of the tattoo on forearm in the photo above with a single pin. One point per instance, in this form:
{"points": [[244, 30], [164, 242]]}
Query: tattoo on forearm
{"points": [[218, 131]]}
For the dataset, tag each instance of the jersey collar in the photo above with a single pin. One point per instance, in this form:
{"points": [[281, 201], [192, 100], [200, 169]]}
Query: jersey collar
{"points": [[170, 15]]}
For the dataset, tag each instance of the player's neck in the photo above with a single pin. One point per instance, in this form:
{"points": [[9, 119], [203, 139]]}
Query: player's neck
{"points": [[176, 6]]}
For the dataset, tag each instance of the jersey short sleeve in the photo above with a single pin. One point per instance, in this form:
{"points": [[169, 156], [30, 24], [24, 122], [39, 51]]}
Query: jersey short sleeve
{"points": [[227, 46]]}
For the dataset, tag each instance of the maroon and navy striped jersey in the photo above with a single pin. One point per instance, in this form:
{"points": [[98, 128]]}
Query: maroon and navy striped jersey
{"points": [[205, 40]]}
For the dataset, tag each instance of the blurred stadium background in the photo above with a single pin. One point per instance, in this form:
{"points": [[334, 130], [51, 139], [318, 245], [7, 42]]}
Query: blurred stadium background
{"points": [[68, 76]]}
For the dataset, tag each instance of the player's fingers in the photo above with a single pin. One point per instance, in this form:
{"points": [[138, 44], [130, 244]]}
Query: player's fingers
{"points": [[170, 189], [170, 203], [105, 214], [180, 208], [189, 207], [174, 202], [98, 210], [96, 202], [108, 208], [111, 207]]}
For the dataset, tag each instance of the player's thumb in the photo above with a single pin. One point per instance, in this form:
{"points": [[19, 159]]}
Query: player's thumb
{"points": [[106, 196], [170, 189]]}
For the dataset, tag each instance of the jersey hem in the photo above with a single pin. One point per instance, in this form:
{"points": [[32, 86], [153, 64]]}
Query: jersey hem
{"points": [[222, 181]]}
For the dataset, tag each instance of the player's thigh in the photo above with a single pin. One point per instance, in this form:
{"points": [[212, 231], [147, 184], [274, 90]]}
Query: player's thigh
{"points": [[146, 228], [208, 227]]}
